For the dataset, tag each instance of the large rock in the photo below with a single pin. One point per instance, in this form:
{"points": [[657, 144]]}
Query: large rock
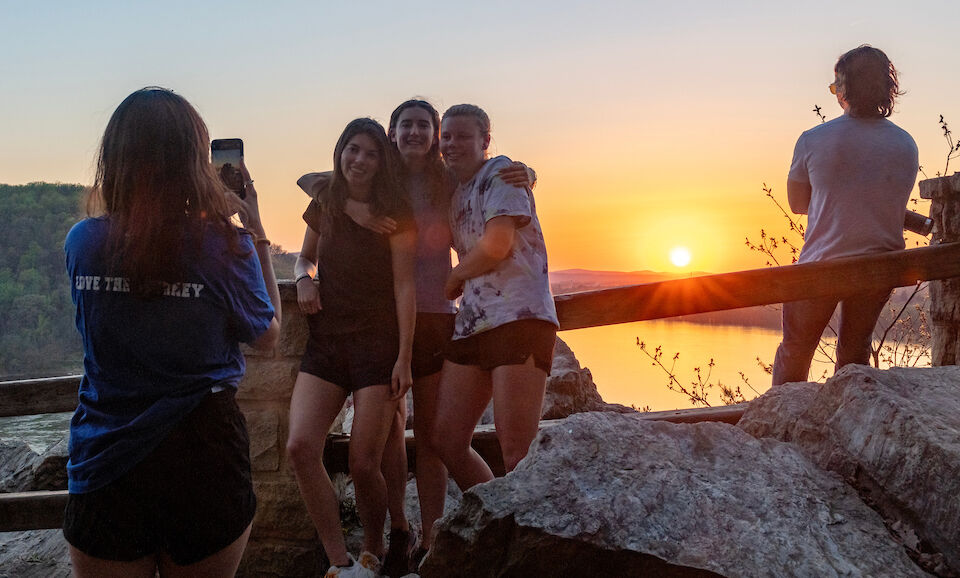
{"points": [[570, 388], [606, 494], [34, 554], [22, 469], [893, 434]]}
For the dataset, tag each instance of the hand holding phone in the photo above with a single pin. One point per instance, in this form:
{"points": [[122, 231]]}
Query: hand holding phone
{"points": [[226, 154]]}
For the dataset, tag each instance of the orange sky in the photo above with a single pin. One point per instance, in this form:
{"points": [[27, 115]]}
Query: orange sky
{"points": [[649, 126]]}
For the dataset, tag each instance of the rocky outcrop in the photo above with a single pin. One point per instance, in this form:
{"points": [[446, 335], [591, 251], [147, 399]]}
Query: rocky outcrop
{"points": [[570, 388], [37, 553], [603, 494], [894, 435], [34, 554], [22, 469]]}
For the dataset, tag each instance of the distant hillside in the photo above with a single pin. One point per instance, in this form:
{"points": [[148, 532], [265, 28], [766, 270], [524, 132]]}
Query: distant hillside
{"points": [[38, 336], [37, 333], [576, 280]]}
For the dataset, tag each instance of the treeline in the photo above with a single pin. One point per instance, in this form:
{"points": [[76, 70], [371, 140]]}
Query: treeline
{"points": [[38, 336], [37, 332]]}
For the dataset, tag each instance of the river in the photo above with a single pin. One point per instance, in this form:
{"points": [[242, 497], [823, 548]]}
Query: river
{"points": [[625, 375]]}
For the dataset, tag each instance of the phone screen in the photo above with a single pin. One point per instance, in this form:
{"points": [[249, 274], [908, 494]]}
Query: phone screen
{"points": [[226, 154]]}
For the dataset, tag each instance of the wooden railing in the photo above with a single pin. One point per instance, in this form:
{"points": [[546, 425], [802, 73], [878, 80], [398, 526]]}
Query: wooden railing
{"points": [[841, 277]]}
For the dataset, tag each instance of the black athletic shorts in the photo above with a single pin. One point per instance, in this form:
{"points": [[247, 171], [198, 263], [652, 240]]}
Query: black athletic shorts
{"points": [[430, 340], [510, 344], [353, 360], [190, 498]]}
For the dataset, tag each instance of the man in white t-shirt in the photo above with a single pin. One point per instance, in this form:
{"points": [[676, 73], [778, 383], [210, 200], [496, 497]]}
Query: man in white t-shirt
{"points": [[853, 177]]}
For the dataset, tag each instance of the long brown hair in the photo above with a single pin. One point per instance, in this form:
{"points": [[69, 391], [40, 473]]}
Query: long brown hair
{"points": [[157, 187], [387, 193]]}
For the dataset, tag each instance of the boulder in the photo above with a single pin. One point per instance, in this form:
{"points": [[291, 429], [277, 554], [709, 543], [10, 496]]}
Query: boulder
{"points": [[34, 554], [570, 388], [893, 434], [605, 494], [16, 465], [22, 469]]}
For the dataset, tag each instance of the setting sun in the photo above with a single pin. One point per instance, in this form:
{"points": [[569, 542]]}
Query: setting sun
{"points": [[680, 256]]}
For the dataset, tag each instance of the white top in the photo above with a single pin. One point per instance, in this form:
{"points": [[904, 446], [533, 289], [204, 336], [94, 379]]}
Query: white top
{"points": [[861, 172], [518, 287]]}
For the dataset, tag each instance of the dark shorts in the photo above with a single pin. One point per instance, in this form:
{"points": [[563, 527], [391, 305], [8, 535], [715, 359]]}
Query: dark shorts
{"points": [[430, 340], [353, 360], [190, 498], [510, 344]]}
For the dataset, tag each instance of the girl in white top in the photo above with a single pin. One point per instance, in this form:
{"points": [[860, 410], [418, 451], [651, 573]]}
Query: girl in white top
{"points": [[507, 323]]}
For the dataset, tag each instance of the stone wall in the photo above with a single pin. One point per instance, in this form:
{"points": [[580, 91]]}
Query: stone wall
{"points": [[283, 541], [944, 192]]}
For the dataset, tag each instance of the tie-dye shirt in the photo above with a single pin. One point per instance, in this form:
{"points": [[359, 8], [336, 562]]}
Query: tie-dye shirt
{"points": [[518, 287]]}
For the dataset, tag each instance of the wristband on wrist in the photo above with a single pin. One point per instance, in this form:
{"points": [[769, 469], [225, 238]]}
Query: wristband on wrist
{"points": [[303, 276], [262, 240]]}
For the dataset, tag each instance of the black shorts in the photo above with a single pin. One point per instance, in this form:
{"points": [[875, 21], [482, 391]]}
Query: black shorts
{"points": [[190, 498], [510, 344], [430, 340], [353, 360]]}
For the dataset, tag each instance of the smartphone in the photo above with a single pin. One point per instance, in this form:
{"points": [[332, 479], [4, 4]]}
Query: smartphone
{"points": [[226, 154]]}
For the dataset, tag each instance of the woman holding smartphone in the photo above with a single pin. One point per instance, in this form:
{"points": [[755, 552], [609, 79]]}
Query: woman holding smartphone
{"points": [[414, 130], [361, 323], [166, 288], [506, 324]]}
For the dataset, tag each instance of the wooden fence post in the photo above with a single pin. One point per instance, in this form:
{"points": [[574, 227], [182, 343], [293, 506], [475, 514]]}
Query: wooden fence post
{"points": [[944, 192]]}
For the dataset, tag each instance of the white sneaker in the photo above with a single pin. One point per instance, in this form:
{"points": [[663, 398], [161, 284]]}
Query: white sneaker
{"points": [[370, 562], [355, 570]]}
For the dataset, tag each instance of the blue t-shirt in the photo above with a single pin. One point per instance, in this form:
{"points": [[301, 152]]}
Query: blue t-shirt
{"points": [[148, 362]]}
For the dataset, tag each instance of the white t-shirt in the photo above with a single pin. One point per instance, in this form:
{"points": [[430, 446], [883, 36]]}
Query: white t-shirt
{"points": [[861, 172], [518, 287]]}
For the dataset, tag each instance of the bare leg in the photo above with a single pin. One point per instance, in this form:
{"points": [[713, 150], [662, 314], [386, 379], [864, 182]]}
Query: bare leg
{"points": [[223, 563], [86, 566], [517, 403], [394, 468], [431, 473], [373, 414], [314, 406], [464, 393]]}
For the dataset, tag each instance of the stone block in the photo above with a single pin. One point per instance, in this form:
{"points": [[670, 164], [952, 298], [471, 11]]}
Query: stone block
{"points": [[271, 379], [276, 558], [263, 426], [281, 512], [293, 331], [249, 352]]}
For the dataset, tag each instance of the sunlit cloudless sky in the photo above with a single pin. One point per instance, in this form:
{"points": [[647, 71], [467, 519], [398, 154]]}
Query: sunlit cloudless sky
{"points": [[650, 125]]}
